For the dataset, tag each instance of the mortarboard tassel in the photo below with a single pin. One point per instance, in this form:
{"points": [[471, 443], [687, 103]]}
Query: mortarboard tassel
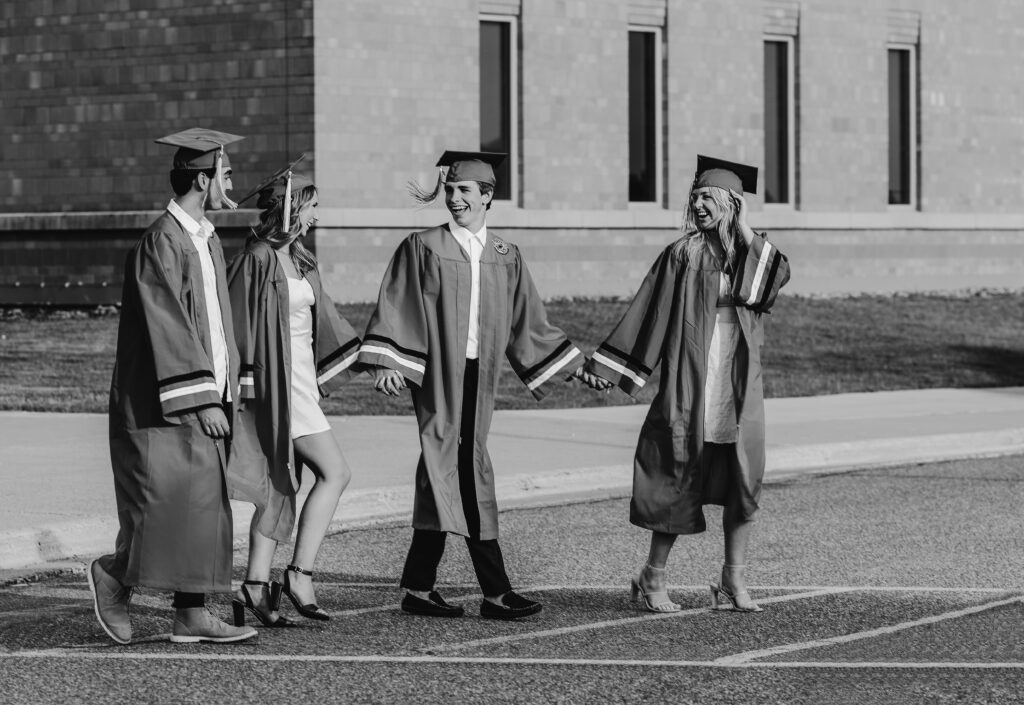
{"points": [[286, 217], [218, 180], [421, 195]]}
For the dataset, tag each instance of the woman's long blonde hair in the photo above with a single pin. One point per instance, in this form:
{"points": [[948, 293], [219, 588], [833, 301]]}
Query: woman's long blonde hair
{"points": [[269, 229], [696, 240]]}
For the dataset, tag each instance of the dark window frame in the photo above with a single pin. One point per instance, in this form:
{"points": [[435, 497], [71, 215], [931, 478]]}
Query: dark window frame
{"points": [[507, 189], [787, 146], [651, 191], [902, 149]]}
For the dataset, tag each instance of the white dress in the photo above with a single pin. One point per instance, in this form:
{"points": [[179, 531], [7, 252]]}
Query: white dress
{"points": [[307, 417], [720, 422]]}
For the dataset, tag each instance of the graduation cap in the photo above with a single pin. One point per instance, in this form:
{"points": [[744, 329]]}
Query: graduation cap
{"points": [[280, 185], [200, 149], [740, 178], [471, 166], [462, 166]]}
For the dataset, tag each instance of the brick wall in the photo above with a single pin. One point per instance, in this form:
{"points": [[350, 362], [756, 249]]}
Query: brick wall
{"points": [[89, 84], [79, 260]]}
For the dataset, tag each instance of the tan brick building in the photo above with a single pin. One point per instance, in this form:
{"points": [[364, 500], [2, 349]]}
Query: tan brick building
{"points": [[890, 133]]}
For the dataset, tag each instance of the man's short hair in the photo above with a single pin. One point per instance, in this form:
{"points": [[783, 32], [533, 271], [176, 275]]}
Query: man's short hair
{"points": [[182, 179], [487, 188]]}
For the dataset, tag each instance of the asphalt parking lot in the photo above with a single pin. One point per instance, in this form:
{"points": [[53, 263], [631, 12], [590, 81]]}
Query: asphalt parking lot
{"points": [[896, 585]]}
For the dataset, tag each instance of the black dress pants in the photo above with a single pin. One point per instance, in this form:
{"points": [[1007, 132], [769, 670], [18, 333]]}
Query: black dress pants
{"points": [[427, 547]]}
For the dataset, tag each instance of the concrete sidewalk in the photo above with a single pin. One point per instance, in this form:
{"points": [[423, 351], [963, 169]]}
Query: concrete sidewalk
{"points": [[58, 498]]}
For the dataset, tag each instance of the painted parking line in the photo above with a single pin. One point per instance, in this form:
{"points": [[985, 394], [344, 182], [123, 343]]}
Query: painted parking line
{"points": [[868, 634], [78, 586], [889, 665], [745, 660], [78, 593], [82, 595], [485, 660], [804, 590], [74, 593], [613, 623], [437, 653], [808, 589]]}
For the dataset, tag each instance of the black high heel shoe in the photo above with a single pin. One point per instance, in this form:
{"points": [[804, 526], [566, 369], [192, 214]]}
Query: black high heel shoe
{"points": [[267, 602], [310, 611]]}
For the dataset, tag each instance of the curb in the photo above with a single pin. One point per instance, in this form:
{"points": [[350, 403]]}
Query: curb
{"points": [[784, 463], [27, 549]]}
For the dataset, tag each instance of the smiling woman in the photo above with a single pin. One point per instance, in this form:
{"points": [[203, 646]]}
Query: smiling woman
{"points": [[698, 317], [709, 223], [294, 347], [285, 237]]}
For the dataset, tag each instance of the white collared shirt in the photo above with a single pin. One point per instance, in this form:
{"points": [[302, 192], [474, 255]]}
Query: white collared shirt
{"points": [[473, 244], [200, 233]]}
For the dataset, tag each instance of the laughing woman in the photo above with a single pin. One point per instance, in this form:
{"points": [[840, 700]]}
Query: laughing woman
{"points": [[698, 314], [293, 344]]}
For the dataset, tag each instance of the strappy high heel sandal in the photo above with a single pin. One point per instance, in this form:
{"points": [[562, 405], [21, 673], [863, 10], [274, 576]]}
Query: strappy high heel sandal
{"points": [[265, 604], [310, 611], [653, 601], [722, 598]]}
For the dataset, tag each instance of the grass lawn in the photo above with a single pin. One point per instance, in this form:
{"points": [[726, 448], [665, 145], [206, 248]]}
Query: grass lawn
{"points": [[62, 361]]}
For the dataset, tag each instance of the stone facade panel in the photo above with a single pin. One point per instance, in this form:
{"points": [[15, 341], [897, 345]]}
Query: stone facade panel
{"points": [[396, 85], [575, 149]]}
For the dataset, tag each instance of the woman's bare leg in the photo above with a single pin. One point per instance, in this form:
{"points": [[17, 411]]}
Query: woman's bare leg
{"points": [[737, 532], [321, 453], [261, 554]]}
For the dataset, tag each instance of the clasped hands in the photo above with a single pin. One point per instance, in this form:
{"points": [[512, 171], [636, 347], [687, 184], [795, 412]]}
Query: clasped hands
{"points": [[596, 382], [388, 381]]}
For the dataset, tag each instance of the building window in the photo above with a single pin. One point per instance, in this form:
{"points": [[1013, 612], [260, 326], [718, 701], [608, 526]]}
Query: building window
{"points": [[498, 106], [902, 125], [645, 106], [779, 121]]}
